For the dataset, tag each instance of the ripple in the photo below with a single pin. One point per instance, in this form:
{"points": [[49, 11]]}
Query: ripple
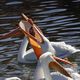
{"points": [[76, 1], [54, 24], [69, 33], [52, 18], [72, 29], [68, 19], [2, 48], [13, 3], [5, 24], [44, 2], [10, 17], [73, 24], [6, 40], [51, 11]]}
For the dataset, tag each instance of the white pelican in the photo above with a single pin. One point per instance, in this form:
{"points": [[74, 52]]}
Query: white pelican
{"points": [[42, 71]]}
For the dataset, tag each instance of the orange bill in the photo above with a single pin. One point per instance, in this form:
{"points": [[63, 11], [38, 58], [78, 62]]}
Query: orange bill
{"points": [[36, 29], [26, 27], [62, 60], [55, 65]]}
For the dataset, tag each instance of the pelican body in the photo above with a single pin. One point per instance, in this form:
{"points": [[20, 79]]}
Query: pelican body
{"points": [[42, 71], [28, 56]]}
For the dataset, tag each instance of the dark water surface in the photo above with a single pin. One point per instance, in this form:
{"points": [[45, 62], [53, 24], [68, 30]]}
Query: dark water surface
{"points": [[58, 19]]}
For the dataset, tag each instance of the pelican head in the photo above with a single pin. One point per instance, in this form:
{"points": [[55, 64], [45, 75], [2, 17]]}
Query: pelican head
{"points": [[28, 27], [47, 60]]}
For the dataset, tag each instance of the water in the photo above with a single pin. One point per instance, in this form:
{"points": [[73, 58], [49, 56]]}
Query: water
{"points": [[58, 19]]}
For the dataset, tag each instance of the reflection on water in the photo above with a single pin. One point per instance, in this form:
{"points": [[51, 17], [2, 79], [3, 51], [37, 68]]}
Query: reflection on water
{"points": [[58, 19]]}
